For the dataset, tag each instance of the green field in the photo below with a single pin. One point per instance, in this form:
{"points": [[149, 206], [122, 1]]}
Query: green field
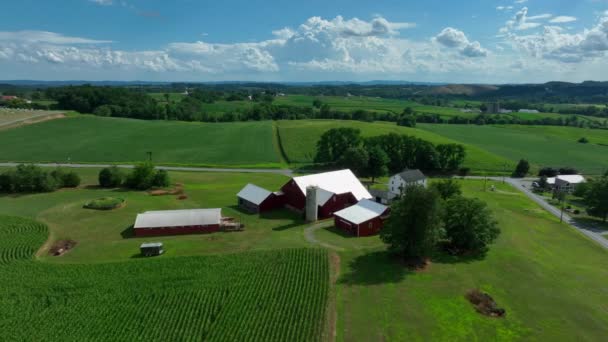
{"points": [[101, 234], [541, 145], [299, 139], [9, 116], [549, 278], [216, 298], [92, 139]]}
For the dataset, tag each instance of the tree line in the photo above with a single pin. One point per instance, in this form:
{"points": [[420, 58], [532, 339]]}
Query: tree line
{"points": [[29, 178], [390, 153]]}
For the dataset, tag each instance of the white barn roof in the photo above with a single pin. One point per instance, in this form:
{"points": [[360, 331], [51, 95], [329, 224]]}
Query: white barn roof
{"points": [[572, 179], [361, 212], [178, 218], [338, 182], [254, 194], [323, 196]]}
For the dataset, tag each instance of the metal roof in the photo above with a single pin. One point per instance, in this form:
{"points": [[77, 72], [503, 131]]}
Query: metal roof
{"points": [[572, 179], [412, 175], [254, 194], [338, 182], [323, 196], [361, 212], [151, 244], [178, 218]]}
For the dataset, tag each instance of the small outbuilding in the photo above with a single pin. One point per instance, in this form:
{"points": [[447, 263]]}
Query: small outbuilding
{"points": [[568, 183], [362, 219], [178, 222], [151, 249], [255, 199]]}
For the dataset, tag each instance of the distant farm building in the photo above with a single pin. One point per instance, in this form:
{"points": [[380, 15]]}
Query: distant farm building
{"points": [[318, 196], [151, 248], [255, 199], [568, 183], [362, 219], [324, 193], [397, 184], [177, 222]]}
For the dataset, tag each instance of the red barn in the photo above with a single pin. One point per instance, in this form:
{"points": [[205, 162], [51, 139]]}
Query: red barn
{"points": [[363, 219], [336, 190], [257, 200], [177, 222]]}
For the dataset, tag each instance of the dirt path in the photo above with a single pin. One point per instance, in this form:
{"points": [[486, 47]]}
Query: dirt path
{"points": [[309, 234]]}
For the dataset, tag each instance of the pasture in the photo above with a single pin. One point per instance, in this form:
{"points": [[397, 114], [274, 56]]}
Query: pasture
{"points": [[90, 139], [214, 298], [541, 145], [548, 277], [299, 139], [105, 236]]}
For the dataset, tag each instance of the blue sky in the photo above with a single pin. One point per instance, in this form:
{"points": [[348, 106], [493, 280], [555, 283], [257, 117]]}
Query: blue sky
{"points": [[511, 41]]}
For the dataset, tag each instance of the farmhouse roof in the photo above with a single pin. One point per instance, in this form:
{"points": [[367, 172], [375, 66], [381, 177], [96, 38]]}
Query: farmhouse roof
{"points": [[338, 182], [254, 194], [412, 175], [572, 179], [361, 212], [178, 218]]}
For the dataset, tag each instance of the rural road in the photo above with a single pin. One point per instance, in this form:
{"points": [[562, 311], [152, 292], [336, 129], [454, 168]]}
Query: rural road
{"points": [[285, 172], [586, 230]]}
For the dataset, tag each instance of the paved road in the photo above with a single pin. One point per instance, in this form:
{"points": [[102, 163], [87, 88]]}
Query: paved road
{"points": [[168, 168], [523, 186]]}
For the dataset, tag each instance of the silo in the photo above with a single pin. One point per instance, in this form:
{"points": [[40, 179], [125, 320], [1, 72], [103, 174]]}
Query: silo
{"points": [[311, 203]]}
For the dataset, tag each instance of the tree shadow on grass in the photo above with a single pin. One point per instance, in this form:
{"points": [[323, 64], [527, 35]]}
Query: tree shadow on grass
{"points": [[283, 215], [594, 225], [375, 268], [444, 256]]}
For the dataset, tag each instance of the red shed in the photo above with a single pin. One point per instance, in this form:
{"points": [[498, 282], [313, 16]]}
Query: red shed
{"points": [[177, 222], [257, 200], [363, 219], [336, 190]]}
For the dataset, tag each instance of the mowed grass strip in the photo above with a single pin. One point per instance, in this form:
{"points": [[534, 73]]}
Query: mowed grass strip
{"points": [[541, 145], [299, 139], [96, 139], [265, 296], [550, 279]]}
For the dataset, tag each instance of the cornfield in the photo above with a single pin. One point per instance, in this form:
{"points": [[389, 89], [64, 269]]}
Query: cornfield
{"points": [[256, 296]]}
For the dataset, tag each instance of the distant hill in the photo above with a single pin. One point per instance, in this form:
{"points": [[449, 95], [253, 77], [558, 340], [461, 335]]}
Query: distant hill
{"points": [[460, 89]]}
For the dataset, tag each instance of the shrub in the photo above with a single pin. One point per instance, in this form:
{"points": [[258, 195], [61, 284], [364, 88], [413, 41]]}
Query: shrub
{"points": [[105, 203], [70, 180], [447, 188], [110, 177], [583, 140], [161, 179]]}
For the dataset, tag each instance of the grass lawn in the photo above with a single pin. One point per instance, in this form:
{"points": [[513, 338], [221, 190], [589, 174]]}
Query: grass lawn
{"points": [[541, 145], [93, 139], [299, 139], [104, 236], [549, 278]]}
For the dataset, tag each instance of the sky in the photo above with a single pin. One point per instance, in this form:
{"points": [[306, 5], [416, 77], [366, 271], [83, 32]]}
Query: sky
{"points": [[465, 41]]}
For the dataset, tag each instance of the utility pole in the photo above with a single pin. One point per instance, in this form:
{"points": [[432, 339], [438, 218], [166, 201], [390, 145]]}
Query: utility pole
{"points": [[149, 156]]}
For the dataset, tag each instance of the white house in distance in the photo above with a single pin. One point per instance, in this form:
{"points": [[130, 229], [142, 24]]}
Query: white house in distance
{"points": [[399, 182], [565, 183]]}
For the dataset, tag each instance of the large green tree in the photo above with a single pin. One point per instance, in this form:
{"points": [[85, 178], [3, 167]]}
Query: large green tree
{"points": [[355, 159], [469, 224], [414, 227], [447, 188], [450, 156], [522, 168], [335, 142], [596, 198], [377, 162]]}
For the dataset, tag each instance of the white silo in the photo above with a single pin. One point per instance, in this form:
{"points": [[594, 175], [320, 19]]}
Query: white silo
{"points": [[311, 203]]}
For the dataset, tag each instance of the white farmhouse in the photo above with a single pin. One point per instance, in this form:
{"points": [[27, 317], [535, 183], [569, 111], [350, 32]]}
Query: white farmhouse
{"points": [[399, 182]]}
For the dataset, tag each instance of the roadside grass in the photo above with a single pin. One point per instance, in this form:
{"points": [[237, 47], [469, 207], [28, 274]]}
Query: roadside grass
{"points": [[548, 277], [105, 236], [91, 139], [540, 145], [299, 139]]}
